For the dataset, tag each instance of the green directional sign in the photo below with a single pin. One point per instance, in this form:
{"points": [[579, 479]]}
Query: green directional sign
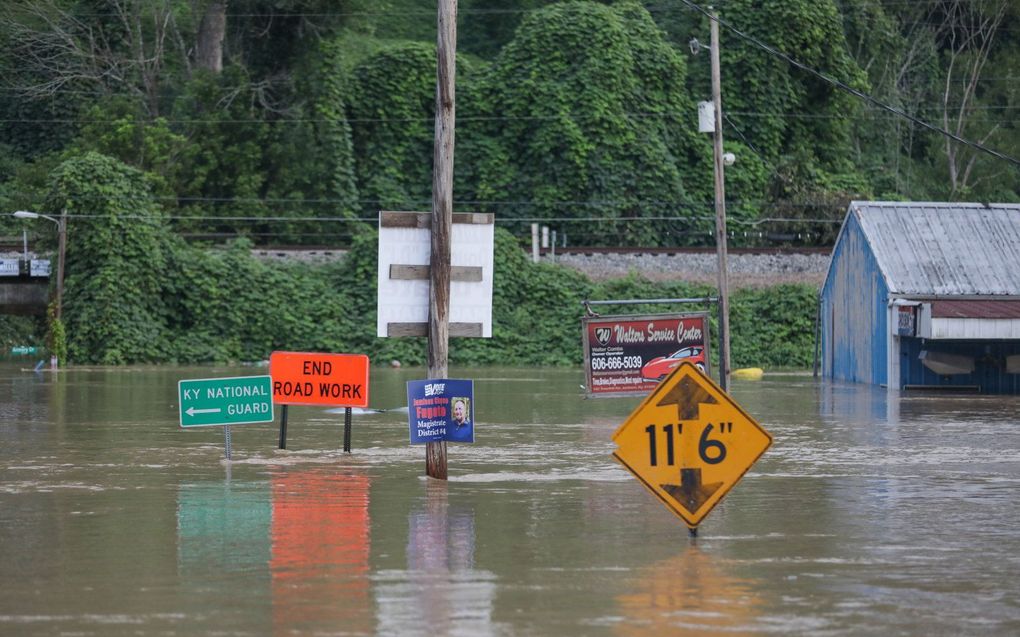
{"points": [[225, 401]]}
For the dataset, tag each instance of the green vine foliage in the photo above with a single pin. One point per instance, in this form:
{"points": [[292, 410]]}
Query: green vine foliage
{"points": [[595, 123], [764, 85], [115, 262], [536, 312], [309, 162], [393, 104], [227, 306], [222, 175], [119, 128], [56, 335], [773, 327], [135, 292]]}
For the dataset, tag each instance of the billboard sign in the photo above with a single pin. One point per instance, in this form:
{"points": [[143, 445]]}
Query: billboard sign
{"points": [[629, 355], [405, 245]]}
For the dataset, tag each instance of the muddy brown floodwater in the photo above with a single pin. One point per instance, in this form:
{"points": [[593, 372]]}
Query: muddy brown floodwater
{"points": [[872, 514]]}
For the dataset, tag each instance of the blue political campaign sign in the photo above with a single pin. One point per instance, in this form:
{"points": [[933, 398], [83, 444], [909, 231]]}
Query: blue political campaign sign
{"points": [[441, 409]]}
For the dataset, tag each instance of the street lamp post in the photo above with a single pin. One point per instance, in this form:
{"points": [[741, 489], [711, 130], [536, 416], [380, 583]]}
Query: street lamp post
{"points": [[61, 248]]}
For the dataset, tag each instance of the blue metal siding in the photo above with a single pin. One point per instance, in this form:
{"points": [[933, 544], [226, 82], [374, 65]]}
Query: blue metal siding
{"points": [[854, 311], [988, 373]]}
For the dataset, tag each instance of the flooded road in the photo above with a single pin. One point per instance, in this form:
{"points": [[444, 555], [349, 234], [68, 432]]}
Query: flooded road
{"points": [[870, 514]]}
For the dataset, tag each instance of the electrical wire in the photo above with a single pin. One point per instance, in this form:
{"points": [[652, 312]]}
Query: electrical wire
{"points": [[849, 89]]}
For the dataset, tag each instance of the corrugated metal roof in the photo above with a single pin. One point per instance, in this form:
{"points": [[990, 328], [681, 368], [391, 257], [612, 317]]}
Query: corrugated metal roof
{"points": [[944, 249]]}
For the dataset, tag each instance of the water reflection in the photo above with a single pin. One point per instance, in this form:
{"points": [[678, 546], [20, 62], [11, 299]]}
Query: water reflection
{"points": [[321, 547], [870, 514], [223, 535], [689, 594], [441, 592], [222, 526]]}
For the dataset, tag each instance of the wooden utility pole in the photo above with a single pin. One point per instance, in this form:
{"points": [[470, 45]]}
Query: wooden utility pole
{"points": [[720, 215], [61, 256], [442, 216]]}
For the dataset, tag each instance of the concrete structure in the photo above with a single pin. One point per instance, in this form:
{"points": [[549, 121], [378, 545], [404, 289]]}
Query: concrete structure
{"points": [[24, 284], [922, 295]]}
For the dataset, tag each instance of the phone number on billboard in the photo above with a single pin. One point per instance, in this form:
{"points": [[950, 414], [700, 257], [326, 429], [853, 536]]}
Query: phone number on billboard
{"points": [[616, 362]]}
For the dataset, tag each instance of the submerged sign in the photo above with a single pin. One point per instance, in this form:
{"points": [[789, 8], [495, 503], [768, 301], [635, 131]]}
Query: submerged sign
{"points": [[441, 409], [689, 443], [309, 378], [207, 402], [628, 355]]}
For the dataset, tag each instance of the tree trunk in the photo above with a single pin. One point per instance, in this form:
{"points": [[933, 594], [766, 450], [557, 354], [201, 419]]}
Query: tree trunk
{"points": [[211, 32]]}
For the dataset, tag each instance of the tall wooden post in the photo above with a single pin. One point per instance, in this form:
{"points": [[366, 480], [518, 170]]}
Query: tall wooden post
{"points": [[442, 216], [720, 215]]}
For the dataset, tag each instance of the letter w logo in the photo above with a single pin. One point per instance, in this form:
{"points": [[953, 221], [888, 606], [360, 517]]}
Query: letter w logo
{"points": [[602, 335]]}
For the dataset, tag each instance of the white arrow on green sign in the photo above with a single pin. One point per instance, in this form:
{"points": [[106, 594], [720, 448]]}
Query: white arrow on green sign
{"points": [[225, 401]]}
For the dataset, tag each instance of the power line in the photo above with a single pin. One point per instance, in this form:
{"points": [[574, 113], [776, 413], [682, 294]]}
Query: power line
{"points": [[849, 89], [425, 203], [875, 114]]}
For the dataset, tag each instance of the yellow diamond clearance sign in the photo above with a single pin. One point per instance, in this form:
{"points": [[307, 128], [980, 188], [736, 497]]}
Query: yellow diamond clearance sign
{"points": [[689, 443]]}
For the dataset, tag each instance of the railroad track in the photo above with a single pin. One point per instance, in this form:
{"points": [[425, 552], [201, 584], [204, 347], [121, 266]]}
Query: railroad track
{"points": [[9, 244]]}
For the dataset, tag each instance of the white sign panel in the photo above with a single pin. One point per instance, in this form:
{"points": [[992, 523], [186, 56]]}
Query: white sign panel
{"points": [[406, 301], [39, 267], [8, 267]]}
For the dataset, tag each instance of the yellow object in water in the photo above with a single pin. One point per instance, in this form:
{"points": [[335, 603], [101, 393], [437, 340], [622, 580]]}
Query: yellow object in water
{"points": [[748, 373]]}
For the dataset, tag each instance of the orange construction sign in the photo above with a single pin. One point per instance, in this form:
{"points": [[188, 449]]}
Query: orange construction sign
{"points": [[304, 378]]}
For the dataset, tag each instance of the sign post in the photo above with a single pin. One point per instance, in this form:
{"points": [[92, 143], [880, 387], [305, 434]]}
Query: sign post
{"points": [[689, 443]]}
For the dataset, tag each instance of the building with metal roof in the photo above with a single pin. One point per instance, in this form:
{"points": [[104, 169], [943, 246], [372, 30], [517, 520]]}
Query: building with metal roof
{"points": [[923, 295]]}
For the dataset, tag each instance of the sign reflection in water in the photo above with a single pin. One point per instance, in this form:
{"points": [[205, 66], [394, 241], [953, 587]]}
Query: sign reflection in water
{"points": [[305, 534], [223, 533], [321, 547], [222, 526], [689, 594]]}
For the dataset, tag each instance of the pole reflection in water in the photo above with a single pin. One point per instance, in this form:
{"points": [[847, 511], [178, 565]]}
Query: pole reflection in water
{"points": [[440, 593], [321, 547], [689, 594]]}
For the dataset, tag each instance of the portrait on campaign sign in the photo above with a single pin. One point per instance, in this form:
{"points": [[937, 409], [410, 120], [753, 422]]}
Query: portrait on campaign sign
{"points": [[460, 429], [440, 409]]}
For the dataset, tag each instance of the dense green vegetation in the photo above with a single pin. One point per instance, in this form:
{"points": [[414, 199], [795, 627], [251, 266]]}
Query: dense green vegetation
{"points": [[181, 124], [137, 293], [581, 114]]}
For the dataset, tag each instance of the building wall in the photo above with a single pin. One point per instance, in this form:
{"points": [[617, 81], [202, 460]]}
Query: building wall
{"points": [[854, 313], [989, 374]]}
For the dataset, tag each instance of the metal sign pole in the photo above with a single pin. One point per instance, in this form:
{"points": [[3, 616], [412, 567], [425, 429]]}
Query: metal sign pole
{"points": [[347, 430], [283, 427], [226, 439]]}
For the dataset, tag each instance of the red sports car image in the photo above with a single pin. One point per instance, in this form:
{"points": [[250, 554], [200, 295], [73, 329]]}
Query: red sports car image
{"points": [[658, 368]]}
